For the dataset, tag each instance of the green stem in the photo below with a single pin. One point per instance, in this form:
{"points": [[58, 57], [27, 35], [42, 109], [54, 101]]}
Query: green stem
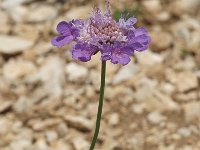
{"points": [[98, 120]]}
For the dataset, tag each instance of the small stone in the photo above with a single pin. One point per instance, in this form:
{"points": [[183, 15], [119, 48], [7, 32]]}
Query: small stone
{"points": [[79, 122], [39, 125], [5, 126], [138, 108], [18, 44], [10, 3], [76, 72], [125, 73], [185, 132], [21, 144], [113, 119], [78, 12], [181, 7], [149, 59], [183, 81], [61, 145], [163, 16], [160, 40], [41, 144], [41, 13], [5, 105], [80, 143], [152, 6], [192, 111], [5, 27], [18, 13], [52, 76], [16, 69], [156, 117], [51, 136], [62, 129]]}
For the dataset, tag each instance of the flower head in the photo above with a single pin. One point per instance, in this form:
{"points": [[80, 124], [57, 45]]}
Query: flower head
{"points": [[116, 41]]}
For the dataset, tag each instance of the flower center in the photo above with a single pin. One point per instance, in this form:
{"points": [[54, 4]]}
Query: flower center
{"points": [[107, 31]]}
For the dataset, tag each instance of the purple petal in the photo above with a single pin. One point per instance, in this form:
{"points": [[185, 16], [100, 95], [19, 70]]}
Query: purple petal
{"points": [[63, 28], [140, 31], [78, 54], [60, 41], [83, 51], [120, 58], [131, 21], [105, 52]]}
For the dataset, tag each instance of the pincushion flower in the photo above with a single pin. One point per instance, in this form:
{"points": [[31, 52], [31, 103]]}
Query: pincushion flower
{"points": [[116, 41]]}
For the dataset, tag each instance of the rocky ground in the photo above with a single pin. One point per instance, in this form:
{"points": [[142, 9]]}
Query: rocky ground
{"points": [[49, 102]]}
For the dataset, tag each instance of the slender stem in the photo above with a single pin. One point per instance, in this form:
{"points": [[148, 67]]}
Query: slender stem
{"points": [[98, 120]]}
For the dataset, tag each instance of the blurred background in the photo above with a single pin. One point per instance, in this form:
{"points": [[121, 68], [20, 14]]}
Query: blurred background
{"points": [[48, 101]]}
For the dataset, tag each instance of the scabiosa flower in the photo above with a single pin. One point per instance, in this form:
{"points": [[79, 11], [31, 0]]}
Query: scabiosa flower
{"points": [[116, 41]]}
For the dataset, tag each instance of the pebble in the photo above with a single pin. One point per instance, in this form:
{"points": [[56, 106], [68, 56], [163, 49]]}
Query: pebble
{"points": [[113, 119], [152, 6], [125, 73], [79, 122], [41, 13], [80, 143], [16, 69], [18, 44], [52, 75], [75, 72], [192, 111], [79, 12], [149, 59], [160, 40], [51, 136], [184, 81], [185, 132], [181, 7], [10, 3], [156, 117], [5, 105]]}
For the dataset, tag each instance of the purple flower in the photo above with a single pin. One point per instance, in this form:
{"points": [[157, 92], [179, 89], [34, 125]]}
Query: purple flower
{"points": [[116, 41]]}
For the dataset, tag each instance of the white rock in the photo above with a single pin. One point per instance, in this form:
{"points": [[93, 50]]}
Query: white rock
{"points": [[183, 81], [185, 132], [113, 119], [61, 145], [11, 3], [156, 117], [138, 108], [22, 104], [192, 111], [16, 69], [80, 143], [78, 12], [76, 72], [21, 144], [149, 59], [18, 44], [51, 136], [5, 126], [40, 125], [4, 105], [18, 13], [125, 73], [160, 40], [41, 144], [79, 122], [4, 22], [181, 7], [152, 6], [52, 75], [40, 13]]}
